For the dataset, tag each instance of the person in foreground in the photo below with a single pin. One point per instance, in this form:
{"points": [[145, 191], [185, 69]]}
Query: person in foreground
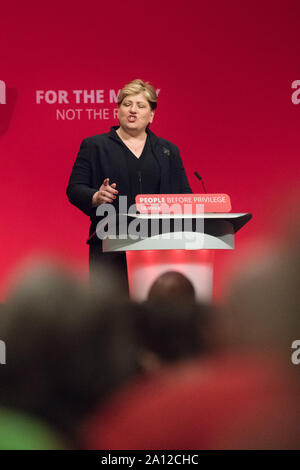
{"points": [[126, 161]]}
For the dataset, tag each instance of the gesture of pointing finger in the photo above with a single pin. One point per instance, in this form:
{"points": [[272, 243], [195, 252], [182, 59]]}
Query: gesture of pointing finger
{"points": [[106, 193]]}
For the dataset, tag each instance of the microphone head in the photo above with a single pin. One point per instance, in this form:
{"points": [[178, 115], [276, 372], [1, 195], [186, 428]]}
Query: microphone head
{"points": [[197, 175]]}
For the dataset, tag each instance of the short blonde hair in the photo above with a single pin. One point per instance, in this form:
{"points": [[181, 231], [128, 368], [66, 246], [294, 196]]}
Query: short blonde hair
{"points": [[139, 86]]}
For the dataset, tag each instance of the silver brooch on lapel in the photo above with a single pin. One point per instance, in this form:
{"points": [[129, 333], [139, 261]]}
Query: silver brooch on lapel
{"points": [[166, 151]]}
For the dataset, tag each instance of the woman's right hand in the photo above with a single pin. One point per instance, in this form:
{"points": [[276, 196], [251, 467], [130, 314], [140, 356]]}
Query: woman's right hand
{"points": [[106, 193]]}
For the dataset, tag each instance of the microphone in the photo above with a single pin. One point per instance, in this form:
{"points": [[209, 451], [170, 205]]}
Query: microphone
{"points": [[200, 179]]}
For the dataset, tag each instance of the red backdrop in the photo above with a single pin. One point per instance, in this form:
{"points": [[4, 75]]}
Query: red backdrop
{"points": [[225, 73]]}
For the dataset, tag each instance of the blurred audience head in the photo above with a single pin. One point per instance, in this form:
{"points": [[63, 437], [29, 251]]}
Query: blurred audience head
{"points": [[66, 350], [169, 333], [263, 305], [172, 286]]}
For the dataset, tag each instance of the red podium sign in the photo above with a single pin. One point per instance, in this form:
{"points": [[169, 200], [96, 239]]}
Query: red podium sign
{"points": [[182, 203]]}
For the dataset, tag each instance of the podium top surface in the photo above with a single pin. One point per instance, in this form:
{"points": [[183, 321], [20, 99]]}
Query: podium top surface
{"points": [[238, 220]]}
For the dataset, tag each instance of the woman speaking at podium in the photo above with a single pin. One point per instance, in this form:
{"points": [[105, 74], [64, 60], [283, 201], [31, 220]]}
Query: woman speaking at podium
{"points": [[126, 161]]}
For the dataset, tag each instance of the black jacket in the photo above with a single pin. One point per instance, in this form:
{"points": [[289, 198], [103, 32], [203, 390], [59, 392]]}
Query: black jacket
{"points": [[102, 156]]}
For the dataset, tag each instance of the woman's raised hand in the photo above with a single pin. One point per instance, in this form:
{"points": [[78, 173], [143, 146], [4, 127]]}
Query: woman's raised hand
{"points": [[106, 193]]}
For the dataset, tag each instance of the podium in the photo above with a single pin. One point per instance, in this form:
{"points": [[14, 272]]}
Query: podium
{"points": [[174, 242]]}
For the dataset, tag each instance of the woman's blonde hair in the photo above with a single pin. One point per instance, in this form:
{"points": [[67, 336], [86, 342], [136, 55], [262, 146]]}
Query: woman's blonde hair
{"points": [[139, 86]]}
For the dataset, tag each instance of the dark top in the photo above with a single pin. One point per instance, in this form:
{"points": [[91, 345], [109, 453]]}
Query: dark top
{"points": [[102, 156], [144, 172]]}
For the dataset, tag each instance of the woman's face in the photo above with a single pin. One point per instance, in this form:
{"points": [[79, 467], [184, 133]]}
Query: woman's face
{"points": [[135, 113]]}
